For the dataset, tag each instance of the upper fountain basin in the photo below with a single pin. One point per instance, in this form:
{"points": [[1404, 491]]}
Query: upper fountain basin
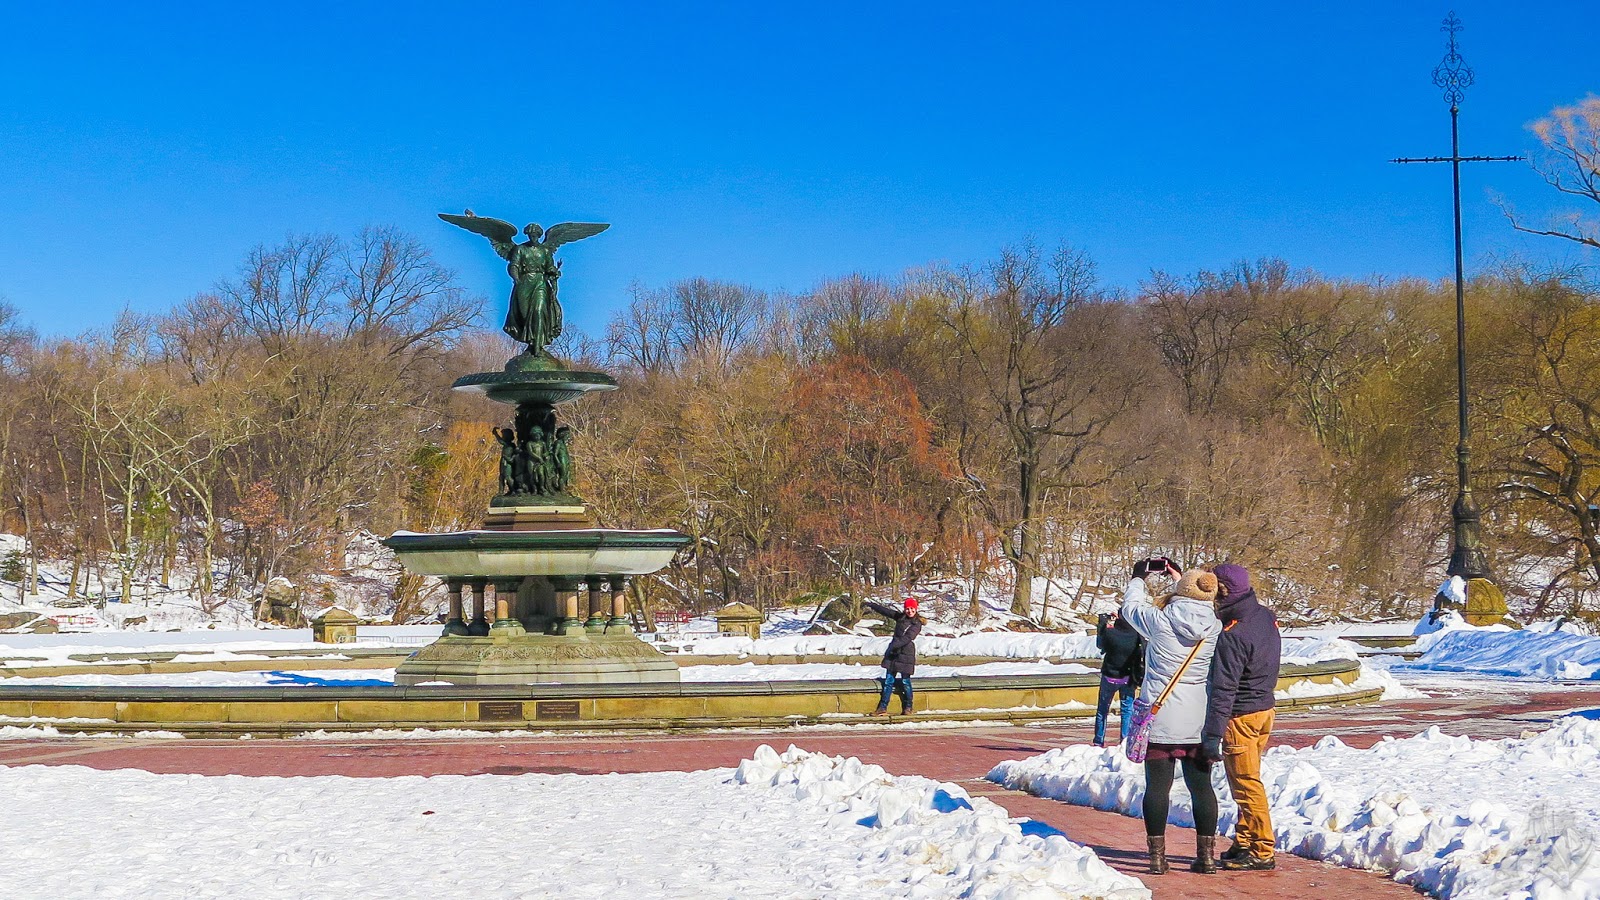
{"points": [[582, 551], [551, 386]]}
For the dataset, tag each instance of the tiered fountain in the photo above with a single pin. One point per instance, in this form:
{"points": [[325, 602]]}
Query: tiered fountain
{"points": [[557, 613]]}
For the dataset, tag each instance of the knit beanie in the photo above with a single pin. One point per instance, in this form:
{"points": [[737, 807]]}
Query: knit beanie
{"points": [[1197, 584], [1235, 579]]}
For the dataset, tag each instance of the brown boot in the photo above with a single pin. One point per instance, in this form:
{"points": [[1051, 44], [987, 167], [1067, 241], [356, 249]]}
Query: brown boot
{"points": [[1158, 854], [881, 711], [1205, 846]]}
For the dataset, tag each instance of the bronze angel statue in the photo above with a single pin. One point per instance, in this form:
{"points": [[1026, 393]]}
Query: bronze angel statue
{"points": [[535, 315]]}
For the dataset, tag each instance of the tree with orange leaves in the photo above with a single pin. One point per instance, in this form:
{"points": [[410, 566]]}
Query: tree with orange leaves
{"points": [[869, 483]]}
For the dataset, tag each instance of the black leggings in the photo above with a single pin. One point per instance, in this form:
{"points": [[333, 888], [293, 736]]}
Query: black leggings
{"points": [[1158, 789]]}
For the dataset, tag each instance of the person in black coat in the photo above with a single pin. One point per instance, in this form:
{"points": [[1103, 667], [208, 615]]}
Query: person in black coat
{"points": [[900, 660], [1121, 672]]}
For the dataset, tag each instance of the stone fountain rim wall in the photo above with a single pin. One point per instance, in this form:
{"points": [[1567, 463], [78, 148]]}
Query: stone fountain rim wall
{"points": [[288, 711]]}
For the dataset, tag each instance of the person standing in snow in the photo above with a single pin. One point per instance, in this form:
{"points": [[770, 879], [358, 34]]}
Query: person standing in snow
{"points": [[1121, 670], [900, 660], [1179, 632], [1244, 677]]}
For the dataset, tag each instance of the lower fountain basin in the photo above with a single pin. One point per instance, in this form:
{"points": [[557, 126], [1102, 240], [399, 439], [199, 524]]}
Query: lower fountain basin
{"points": [[586, 551]]}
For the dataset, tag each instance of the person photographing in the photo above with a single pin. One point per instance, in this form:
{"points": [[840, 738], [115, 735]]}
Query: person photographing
{"points": [[1179, 630]]}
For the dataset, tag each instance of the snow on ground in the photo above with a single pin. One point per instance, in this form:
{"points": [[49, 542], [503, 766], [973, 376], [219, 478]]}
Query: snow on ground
{"points": [[1537, 652], [795, 825], [743, 672], [1371, 677], [997, 644], [364, 583], [1455, 817], [813, 671], [307, 678], [1394, 628], [30, 650]]}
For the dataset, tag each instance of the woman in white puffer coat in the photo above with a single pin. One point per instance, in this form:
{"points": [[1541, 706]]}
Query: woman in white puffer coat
{"points": [[1173, 627]]}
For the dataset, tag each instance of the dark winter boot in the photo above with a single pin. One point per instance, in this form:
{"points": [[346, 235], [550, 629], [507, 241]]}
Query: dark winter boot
{"points": [[1234, 851], [881, 711], [1250, 863], [1205, 845], [1158, 854]]}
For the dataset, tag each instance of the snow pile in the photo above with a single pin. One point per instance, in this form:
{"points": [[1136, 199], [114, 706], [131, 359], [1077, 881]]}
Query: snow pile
{"points": [[29, 650], [780, 826], [1455, 817], [954, 845], [994, 644], [1308, 650], [1497, 650], [276, 678], [997, 644], [820, 671], [1371, 678]]}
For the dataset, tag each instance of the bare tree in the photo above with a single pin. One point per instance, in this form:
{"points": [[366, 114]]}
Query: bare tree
{"points": [[1570, 163], [1045, 364]]}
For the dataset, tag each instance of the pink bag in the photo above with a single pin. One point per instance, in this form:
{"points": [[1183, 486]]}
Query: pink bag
{"points": [[1144, 714]]}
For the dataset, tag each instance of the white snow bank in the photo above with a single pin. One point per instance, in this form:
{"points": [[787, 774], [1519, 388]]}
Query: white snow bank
{"points": [[1455, 817], [795, 825], [301, 678], [981, 850], [1304, 651], [816, 671], [1498, 650], [1370, 678], [996, 644], [25, 650]]}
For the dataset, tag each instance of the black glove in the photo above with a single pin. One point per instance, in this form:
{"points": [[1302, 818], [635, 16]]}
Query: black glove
{"points": [[1211, 749], [1141, 569]]}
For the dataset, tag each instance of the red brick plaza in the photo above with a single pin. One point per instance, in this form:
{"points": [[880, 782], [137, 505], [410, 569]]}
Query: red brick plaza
{"points": [[960, 755]]}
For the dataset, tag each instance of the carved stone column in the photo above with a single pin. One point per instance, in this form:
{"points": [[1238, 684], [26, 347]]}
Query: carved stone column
{"points": [[566, 590], [454, 623], [480, 622], [619, 602], [505, 599], [597, 603]]}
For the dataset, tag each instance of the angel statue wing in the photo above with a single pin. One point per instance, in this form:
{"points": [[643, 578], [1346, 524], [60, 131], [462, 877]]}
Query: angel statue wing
{"points": [[502, 234], [567, 232]]}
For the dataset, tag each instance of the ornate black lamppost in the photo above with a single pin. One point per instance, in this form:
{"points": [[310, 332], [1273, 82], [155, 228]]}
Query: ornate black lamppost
{"points": [[1453, 76]]}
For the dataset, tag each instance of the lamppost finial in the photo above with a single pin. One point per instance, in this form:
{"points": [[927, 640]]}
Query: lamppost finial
{"points": [[1452, 75]]}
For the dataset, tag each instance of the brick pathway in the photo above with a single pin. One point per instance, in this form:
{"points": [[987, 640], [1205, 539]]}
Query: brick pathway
{"points": [[961, 755]]}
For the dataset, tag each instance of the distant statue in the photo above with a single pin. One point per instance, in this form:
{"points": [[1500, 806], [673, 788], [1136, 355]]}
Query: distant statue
{"points": [[535, 315], [508, 459], [537, 463], [562, 453]]}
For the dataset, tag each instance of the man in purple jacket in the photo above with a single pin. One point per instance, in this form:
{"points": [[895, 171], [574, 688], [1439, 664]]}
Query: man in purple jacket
{"points": [[1239, 713]]}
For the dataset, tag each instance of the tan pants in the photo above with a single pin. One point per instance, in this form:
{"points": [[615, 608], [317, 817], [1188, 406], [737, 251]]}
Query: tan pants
{"points": [[1243, 742]]}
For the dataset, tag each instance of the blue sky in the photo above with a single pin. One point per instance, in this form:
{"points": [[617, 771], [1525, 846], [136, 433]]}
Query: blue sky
{"points": [[145, 148]]}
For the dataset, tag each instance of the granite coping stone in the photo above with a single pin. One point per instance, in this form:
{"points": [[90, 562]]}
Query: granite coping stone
{"points": [[201, 693]]}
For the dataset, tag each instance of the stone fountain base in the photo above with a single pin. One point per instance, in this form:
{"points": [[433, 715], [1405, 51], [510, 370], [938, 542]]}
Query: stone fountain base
{"points": [[611, 657]]}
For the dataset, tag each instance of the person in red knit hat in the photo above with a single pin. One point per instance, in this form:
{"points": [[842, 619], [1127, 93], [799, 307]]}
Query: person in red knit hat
{"points": [[900, 660]]}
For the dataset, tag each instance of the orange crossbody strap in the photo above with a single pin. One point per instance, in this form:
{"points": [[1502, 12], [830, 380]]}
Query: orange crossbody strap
{"points": [[1175, 678]]}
